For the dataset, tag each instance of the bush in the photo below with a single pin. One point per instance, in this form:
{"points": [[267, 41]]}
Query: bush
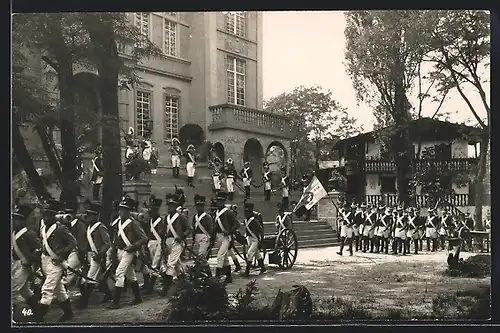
{"points": [[477, 266], [336, 308], [467, 304]]}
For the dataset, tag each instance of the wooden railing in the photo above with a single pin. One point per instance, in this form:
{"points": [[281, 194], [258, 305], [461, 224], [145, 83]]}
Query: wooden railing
{"points": [[419, 200], [246, 119], [455, 164]]}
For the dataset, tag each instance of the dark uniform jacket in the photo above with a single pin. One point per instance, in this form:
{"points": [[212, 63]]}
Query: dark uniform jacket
{"points": [[230, 170], [61, 241], [100, 237], [98, 162], [159, 228], [227, 219], [284, 220], [413, 222], [400, 221], [79, 231], [180, 225], [370, 218], [359, 218], [28, 243], [246, 173], [190, 157], [432, 222], [446, 222], [206, 222], [266, 176], [176, 151], [253, 227], [135, 234]]}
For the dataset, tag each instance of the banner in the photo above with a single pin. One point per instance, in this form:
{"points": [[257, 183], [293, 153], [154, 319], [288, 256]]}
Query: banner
{"points": [[313, 193]]}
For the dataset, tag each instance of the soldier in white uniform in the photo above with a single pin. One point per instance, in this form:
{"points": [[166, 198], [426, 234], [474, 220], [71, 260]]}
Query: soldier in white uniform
{"points": [[203, 227], [285, 188], [431, 234], [155, 232], [190, 164], [346, 229], [357, 226], [230, 174], [400, 231], [369, 228], [266, 180], [384, 229], [246, 176], [412, 230], [176, 152], [445, 226], [255, 235], [216, 166]]}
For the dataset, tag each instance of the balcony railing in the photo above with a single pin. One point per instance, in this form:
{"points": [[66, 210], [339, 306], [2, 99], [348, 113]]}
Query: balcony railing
{"points": [[454, 164], [419, 200], [246, 119]]}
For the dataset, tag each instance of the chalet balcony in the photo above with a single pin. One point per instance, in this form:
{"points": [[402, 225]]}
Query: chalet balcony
{"points": [[455, 164], [228, 116], [420, 200]]}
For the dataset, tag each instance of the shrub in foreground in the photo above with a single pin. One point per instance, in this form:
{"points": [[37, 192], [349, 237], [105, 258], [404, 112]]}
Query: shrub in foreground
{"points": [[477, 266]]}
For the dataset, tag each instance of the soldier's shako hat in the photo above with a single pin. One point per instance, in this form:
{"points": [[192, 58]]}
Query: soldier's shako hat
{"points": [[222, 196], [353, 205], [230, 161], [363, 205], [70, 206], [51, 205], [22, 211], [172, 199], [248, 207], [400, 208], [246, 163], [94, 207], [127, 202], [190, 147], [381, 207], [199, 200]]}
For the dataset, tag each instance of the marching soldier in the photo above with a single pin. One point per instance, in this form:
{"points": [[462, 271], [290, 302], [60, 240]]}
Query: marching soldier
{"points": [[266, 179], [58, 243], [155, 158], [202, 227], [469, 223], [380, 213], [190, 164], [246, 176], [216, 165], [346, 229], [177, 231], [230, 174], [225, 226], [283, 220], [420, 223], [230, 252], [357, 225], [25, 254], [99, 243], [255, 235], [155, 232], [369, 228], [97, 173], [176, 152], [78, 257], [130, 237], [412, 230], [431, 230], [445, 226], [285, 188], [384, 230], [400, 231]]}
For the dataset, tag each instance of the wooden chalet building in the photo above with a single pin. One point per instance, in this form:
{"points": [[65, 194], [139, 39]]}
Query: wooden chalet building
{"points": [[371, 175]]}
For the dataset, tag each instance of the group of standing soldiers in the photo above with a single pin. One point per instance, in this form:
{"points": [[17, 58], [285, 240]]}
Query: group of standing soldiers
{"points": [[374, 228], [67, 246]]}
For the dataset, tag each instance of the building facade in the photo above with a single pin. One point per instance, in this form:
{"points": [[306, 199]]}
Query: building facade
{"points": [[371, 175]]}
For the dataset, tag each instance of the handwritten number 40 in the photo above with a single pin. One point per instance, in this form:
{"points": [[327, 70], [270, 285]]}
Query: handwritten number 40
{"points": [[27, 312]]}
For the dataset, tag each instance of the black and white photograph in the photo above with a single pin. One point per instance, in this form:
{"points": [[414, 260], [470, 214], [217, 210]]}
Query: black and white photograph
{"points": [[220, 167]]}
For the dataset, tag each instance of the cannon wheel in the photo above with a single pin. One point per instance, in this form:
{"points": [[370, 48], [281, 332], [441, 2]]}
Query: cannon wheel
{"points": [[287, 247]]}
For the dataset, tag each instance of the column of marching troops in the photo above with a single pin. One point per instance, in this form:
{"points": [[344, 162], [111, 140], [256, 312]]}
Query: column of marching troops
{"points": [[380, 229], [68, 246]]}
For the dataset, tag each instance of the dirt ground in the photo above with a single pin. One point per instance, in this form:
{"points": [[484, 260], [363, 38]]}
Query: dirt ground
{"points": [[373, 281]]}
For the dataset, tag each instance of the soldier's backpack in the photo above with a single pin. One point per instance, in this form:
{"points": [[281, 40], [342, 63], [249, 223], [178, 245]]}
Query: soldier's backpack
{"points": [[295, 304]]}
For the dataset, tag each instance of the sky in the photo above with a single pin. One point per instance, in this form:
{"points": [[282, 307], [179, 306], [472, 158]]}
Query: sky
{"points": [[307, 48]]}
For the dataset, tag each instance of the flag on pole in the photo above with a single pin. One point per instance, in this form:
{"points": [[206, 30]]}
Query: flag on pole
{"points": [[313, 193]]}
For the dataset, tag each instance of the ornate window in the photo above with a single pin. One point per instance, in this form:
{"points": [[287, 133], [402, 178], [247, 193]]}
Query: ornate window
{"points": [[170, 38], [142, 111], [236, 70], [235, 23], [171, 117]]}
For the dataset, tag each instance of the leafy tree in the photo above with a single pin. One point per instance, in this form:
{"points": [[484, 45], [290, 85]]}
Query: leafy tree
{"points": [[383, 51], [460, 52], [318, 121]]}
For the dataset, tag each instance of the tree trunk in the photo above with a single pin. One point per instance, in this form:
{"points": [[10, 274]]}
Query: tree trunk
{"points": [[479, 184], [24, 158], [49, 152]]}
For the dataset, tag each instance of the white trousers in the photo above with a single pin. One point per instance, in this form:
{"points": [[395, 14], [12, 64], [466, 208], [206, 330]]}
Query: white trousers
{"points": [[52, 286], [355, 230], [173, 250], [431, 233], [267, 186], [230, 184], [345, 231], [246, 182], [154, 247], [217, 184], [176, 161], [368, 231], [94, 269], [125, 268], [412, 234], [223, 243], [383, 232], [74, 263], [190, 169], [202, 242], [400, 233], [20, 284], [253, 249]]}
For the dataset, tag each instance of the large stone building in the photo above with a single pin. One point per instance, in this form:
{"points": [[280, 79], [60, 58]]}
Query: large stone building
{"points": [[207, 86]]}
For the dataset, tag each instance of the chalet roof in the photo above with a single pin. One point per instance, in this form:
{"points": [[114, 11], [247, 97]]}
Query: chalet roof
{"points": [[430, 130]]}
